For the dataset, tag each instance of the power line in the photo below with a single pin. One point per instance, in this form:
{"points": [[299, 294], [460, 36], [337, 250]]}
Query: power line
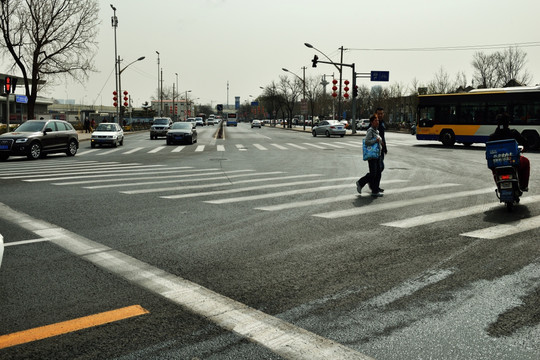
{"points": [[454, 48]]}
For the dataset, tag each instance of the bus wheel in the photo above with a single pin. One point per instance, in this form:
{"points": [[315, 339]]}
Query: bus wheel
{"points": [[533, 139], [448, 138], [467, 144]]}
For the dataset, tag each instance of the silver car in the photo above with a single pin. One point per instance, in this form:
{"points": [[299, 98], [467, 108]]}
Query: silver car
{"points": [[107, 134], [328, 128]]}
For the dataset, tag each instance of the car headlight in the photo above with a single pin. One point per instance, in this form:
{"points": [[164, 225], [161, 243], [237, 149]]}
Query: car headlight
{"points": [[21, 141]]}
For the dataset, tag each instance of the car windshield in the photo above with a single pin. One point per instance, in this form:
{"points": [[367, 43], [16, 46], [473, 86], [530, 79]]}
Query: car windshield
{"points": [[333, 122], [31, 126], [106, 127], [161, 122], [181, 125]]}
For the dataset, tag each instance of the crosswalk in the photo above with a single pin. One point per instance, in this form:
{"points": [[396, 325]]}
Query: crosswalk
{"points": [[305, 146], [278, 191]]}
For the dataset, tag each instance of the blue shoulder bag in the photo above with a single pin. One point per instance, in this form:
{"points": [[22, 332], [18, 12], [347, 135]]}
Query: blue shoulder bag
{"points": [[370, 151]]}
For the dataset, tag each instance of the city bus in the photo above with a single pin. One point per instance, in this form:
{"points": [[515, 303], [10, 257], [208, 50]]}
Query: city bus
{"points": [[231, 119], [470, 117]]}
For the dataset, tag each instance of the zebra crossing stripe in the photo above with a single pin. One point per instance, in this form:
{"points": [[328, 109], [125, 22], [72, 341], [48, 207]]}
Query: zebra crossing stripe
{"points": [[315, 146], [132, 151], [178, 149], [502, 230], [240, 147], [85, 170], [260, 147], [81, 153], [279, 146], [200, 148], [352, 144], [369, 208], [452, 214], [220, 148], [156, 150], [296, 146], [108, 152], [332, 145]]}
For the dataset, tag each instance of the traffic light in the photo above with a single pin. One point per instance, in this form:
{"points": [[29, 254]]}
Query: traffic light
{"points": [[355, 91], [7, 84], [314, 61]]}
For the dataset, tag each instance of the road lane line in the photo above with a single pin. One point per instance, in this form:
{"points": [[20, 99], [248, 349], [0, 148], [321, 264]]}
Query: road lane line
{"points": [[81, 153], [277, 335], [315, 146], [332, 145], [452, 214], [109, 173], [200, 148], [502, 230], [240, 147], [24, 242], [220, 148], [108, 152], [178, 149], [279, 146], [64, 327], [368, 208]]}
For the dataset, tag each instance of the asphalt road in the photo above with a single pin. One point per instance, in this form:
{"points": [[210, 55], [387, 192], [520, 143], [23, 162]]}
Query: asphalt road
{"points": [[257, 246]]}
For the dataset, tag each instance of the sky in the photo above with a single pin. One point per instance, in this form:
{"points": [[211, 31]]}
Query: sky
{"points": [[246, 43]]}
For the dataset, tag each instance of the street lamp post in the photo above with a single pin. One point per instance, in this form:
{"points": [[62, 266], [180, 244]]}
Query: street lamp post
{"points": [[174, 104], [186, 105], [120, 103], [303, 80], [339, 68], [158, 82], [114, 23]]}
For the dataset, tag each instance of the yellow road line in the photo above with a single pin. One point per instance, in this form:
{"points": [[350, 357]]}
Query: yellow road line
{"points": [[65, 327]]}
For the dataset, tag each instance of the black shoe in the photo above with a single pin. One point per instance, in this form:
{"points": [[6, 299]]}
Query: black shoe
{"points": [[359, 187], [381, 190], [525, 189]]}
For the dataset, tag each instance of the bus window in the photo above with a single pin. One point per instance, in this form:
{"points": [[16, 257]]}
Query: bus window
{"points": [[426, 115]]}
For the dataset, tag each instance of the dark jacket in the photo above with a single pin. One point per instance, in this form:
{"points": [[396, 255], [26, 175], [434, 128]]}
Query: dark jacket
{"points": [[382, 129], [504, 133]]}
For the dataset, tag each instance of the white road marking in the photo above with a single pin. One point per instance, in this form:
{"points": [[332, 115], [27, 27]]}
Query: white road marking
{"points": [[279, 336], [132, 151], [352, 144], [260, 147], [452, 214], [315, 146], [25, 242], [220, 148], [81, 153], [200, 148], [332, 145], [502, 230], [369, 208], [108, 152], [266, 186], [240, 147], [94, 174], [297, 146], [156, 150], [279, 146], [178, 149]]}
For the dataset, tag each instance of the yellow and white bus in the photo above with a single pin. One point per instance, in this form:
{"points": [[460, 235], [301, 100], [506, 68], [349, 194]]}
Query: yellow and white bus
{"points": [[470, 117]]}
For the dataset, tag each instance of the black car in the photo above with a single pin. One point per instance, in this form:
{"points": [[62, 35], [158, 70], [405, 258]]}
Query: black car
{"points": [[181, 132], [37, 138]]}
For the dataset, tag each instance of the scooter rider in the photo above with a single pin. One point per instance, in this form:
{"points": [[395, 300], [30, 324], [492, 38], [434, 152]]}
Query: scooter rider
{"points": [[503, 132]]}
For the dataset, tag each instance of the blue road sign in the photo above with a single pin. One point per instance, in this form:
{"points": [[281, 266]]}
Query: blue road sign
{"points": [[380, 75], [254, 103], [21, 99], [219, 107]]}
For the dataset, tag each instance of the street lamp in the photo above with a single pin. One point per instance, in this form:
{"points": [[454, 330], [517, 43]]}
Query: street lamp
{"points": [[185, 105], [158, 82], [303, 80], [173, 98], [120, 86], [114, 23], [339, 68]]}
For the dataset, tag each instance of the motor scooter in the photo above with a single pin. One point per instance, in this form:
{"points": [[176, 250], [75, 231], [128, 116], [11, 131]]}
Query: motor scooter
{"points": [[503, 160]]}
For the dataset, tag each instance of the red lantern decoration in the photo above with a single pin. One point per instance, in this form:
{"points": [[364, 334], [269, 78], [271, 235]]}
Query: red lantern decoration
{"points": [[334, 94]]}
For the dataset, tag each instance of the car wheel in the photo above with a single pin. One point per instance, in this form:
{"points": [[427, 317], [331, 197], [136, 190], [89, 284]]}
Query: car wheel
{"points": [[35, 151], [314, 133], [122, 142], [72, 148], [327, 133], [92, 145], [342, 135], [168, 142]]}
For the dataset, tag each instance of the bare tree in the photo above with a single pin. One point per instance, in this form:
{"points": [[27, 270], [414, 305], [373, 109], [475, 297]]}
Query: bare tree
{"points": [[441, 84], [485, 74], [510, 66], [46, 38], [290, 90]]}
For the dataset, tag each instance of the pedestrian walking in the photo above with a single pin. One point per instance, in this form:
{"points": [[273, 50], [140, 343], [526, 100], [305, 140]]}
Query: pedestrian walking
{"points": [[87, 125], [373, 177], [382, 129]]}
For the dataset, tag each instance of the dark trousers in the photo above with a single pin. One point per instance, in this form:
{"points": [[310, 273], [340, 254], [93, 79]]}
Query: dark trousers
{"points": [[373, 177]]}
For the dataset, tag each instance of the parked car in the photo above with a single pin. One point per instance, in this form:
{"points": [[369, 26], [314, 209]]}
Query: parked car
{"points": [[345, 123], [364, 124], [328, 128], [37, 138], [159, 127], [256, 123], [182, 132], [107, 134]]}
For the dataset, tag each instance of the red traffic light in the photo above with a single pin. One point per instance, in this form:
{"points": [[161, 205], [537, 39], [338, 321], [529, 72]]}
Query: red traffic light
{"points": [[8, 84]]}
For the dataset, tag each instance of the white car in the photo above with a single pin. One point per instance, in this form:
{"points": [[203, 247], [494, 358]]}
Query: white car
{"points": [[107, 134], [199, 121], [256, 123]]}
